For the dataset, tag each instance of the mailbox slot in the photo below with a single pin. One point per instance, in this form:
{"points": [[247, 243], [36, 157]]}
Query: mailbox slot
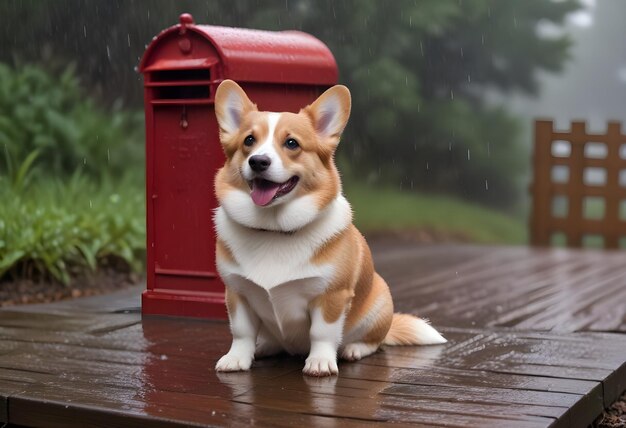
{"points": [[171, 85], [180, 75], [182, 92]]}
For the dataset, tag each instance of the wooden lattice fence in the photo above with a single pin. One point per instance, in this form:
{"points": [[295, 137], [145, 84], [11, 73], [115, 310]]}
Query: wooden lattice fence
{"points": [[579, 186]]}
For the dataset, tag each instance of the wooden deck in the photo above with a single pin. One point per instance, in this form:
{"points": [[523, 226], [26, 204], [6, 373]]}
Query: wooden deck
{"points": [[536, 339]]}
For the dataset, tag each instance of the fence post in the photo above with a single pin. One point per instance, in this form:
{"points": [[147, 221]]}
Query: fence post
{"points": [[542, 194], [611, 204]]}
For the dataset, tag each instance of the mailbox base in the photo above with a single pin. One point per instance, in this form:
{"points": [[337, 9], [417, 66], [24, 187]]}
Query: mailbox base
{"points": [[201, 305]]}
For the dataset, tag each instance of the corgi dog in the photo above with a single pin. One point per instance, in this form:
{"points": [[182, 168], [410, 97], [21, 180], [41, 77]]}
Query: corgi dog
{"points": [[299, 276]]}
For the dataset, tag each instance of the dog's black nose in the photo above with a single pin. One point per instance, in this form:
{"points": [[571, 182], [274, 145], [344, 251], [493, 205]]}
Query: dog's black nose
{"points": [[259, 163]]}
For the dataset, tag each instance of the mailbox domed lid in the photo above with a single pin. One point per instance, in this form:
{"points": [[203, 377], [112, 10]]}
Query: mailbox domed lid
{"points": [[244, 55]]}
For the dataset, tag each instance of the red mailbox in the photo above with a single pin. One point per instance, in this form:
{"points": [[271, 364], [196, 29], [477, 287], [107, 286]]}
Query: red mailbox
{"points": [[182, 67]]}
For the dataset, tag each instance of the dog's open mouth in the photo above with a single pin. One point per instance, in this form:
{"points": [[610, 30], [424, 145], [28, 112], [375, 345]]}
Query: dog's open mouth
{"points": [[265, 191]]}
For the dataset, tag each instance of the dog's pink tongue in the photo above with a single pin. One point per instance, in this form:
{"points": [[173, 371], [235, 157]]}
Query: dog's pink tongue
{"points": [[263, 191]]}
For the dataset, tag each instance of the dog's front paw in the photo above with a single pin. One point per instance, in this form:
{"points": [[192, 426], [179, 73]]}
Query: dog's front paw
{"points": [[233, 362], [320, 366]]}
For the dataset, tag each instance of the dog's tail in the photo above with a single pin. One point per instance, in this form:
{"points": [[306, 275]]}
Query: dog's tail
{"points": [[410, 330]]}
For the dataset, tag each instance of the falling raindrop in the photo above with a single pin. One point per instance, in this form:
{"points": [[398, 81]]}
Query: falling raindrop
{"points": [[451, 94], [108, 53], [128, 39], [486, 185], [468, 154], [85, 31]]}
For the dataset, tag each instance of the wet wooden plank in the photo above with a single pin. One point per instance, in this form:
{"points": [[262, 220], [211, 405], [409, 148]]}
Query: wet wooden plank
{"points": [[531, 289], [67, 322], [397, 409], [48, 404]]}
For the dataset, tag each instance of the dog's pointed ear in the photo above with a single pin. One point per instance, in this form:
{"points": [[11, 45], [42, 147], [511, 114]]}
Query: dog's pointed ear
{"points": [[330, 113], [231, 103]]}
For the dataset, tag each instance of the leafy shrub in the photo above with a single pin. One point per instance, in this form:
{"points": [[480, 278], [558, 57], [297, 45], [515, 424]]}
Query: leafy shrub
{"points": [[51, 114], [58, 228]]}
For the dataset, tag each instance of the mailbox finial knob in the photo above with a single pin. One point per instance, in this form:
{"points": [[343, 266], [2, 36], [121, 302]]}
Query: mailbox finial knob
{"points": [[186, 19]]}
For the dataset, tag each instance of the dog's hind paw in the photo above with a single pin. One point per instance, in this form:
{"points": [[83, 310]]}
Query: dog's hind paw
{"points": [[356, 351]]}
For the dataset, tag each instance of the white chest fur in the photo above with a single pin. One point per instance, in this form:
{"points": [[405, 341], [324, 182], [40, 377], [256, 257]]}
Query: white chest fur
{"points": [[274, 270], [269, 259]]}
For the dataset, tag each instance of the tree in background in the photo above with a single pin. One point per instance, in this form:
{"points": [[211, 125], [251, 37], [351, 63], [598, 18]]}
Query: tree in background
{"points": [[418, 72]]}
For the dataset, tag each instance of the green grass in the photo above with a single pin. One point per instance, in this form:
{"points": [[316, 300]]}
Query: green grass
{"points": [[62, 228], [379, 209]]}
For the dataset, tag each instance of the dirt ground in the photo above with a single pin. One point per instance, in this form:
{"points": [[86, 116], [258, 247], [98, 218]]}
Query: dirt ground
{"points": [[25, 291], [614, 416]]}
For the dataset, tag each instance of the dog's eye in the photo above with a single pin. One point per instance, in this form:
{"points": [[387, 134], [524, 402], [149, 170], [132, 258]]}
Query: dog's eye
{"points": [[291, 144], [249, 141]]}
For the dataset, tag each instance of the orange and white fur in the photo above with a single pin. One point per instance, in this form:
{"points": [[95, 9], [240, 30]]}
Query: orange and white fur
{"points": [[299, 276]]}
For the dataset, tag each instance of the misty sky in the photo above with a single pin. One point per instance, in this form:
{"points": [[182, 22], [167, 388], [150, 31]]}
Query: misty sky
{"points": [[593, 84]]}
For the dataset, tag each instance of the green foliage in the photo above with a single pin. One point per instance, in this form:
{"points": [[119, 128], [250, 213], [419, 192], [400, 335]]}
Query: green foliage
{"points": [[384, 209], [57, 228], [51, 117]]}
